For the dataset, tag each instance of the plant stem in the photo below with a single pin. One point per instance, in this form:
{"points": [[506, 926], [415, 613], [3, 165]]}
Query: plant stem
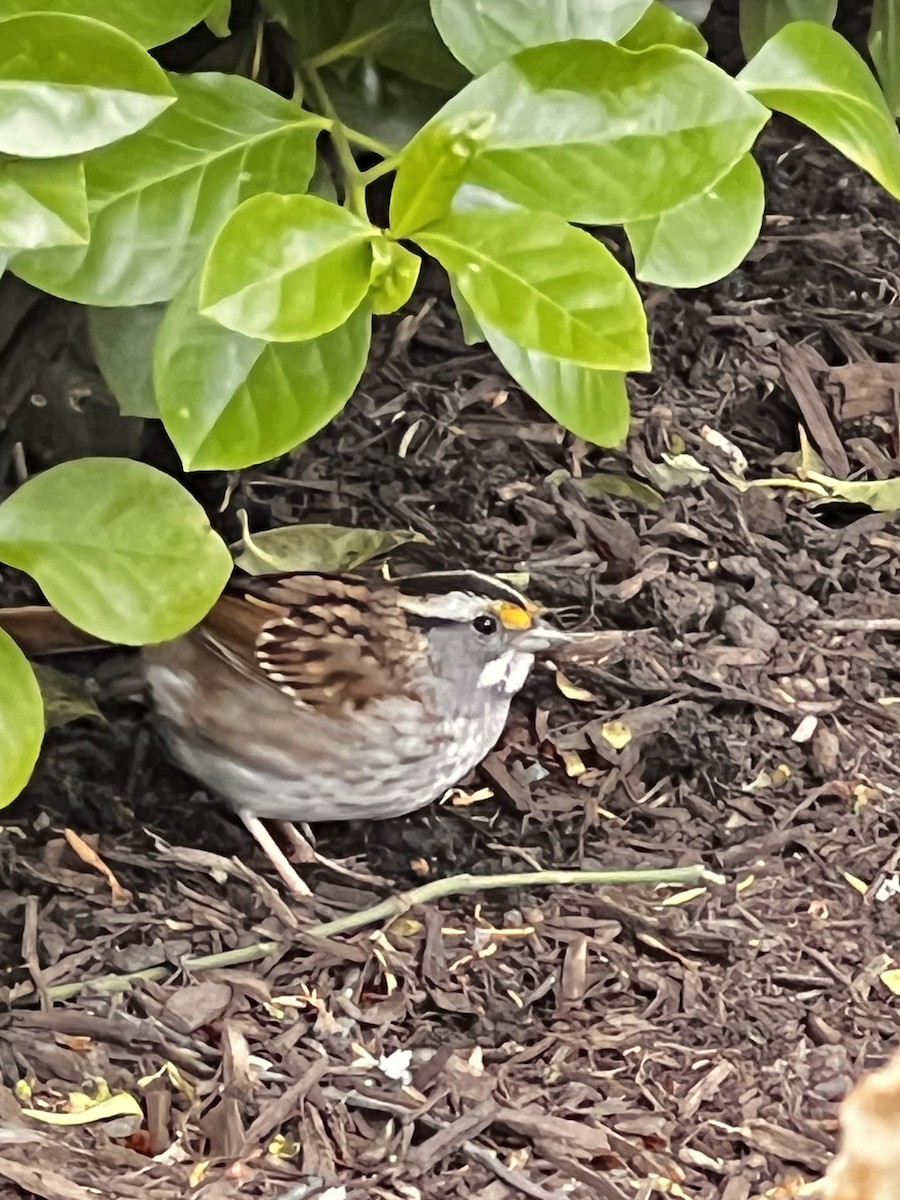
{"points": [[369, 143], [394, 907], [354, 189], [383, 168]]}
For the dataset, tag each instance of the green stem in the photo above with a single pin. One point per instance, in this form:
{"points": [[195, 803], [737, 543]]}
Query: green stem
{"points": [[394, 907], [383, 168], [369, 143], [355, 192]]}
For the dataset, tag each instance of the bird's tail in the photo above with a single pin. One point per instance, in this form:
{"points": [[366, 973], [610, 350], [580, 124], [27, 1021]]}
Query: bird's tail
{"points": [[38, 630]]}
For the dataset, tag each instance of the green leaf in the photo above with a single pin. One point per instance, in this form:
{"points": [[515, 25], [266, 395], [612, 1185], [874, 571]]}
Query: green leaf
{"points": [[472, 331], [695, 11], [332, 549], [884, 46], [547, 286], [604, 484], [762, 19], [601, 135], [482, 33], [660, 26], [287, 268], [399, 34], [815, 76], [42, 203], [121, 550], [706, 238], [156, 200], [218, 18], [149, 24], [591, 404], [381, 103], [69, 84], [394, 273], [881, 495], [230, 401], [65, 698], [122, 341], [21, 720], [432, 169], [315, 25]]}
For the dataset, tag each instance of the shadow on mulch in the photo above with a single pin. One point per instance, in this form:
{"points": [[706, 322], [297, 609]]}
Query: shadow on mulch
{"points": [[565, 1042]]}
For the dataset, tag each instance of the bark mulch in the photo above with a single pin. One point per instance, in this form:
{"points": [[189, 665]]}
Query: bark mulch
{"points": [[561, 1042]]}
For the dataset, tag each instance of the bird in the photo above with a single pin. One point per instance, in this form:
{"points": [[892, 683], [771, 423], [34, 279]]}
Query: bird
{"points": [[304, 697]]}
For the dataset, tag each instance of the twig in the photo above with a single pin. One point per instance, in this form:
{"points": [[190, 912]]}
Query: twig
{"points": [[394, 907], [859, 624]]}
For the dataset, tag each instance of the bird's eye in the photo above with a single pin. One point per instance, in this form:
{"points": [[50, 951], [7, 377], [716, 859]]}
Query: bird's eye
{"points": [[485, 624]]}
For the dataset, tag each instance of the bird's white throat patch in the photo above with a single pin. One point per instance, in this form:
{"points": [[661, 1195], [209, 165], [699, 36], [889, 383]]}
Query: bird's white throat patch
{"points": [[507, 672]]}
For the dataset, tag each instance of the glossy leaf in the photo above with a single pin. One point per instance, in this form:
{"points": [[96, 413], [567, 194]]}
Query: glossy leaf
{"points": [[399, 34], [598, 134], [157, 199], [482, 33], [70, 84], [150, 24], [762, 19], [432, 169], [230, 401], [815, 76], [42, 203], [591, 404], [119, 548], [706, 238], [884, 46], [218, 19], [21, 720], [660, 26], [122, 341], [471, 330], [287, 268], [315, 25], [394, 273], [547, 286], [695, 11]]}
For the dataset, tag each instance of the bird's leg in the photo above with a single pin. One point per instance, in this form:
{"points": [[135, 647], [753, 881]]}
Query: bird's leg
{"points": [[302, 844], [276, 856]]}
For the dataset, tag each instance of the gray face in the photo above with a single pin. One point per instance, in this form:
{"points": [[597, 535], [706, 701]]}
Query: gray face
{"points": [[479, 656]]}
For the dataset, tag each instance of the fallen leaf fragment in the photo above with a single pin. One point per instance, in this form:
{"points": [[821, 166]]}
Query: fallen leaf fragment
{"points": [[121, 1105], [88, 855], [617, 734]]}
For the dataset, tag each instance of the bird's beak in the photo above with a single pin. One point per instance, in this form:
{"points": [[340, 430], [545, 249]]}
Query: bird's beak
{"points": [[541, 638]]}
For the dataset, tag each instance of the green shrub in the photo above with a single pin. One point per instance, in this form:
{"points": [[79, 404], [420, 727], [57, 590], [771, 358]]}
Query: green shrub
{"points": [[220, 232]]}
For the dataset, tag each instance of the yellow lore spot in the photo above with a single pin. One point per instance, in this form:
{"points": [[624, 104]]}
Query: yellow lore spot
{"points": [[512, 616]]}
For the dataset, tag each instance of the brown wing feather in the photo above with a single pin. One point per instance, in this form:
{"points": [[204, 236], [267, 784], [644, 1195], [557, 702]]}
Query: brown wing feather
{"points": [[328, 643]]}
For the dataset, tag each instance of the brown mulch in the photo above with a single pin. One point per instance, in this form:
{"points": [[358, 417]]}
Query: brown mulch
{"points": [[574, 1041]]}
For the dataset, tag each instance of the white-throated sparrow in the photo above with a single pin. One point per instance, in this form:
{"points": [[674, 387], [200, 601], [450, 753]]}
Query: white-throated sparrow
{"points": [[316, 698]]}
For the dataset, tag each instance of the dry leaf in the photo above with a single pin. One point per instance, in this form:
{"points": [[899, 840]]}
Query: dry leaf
{"points": [[329, 548], [617, 734], [121, 1105], [684, 897], [572, 691], [88, 855], [65, 697]]}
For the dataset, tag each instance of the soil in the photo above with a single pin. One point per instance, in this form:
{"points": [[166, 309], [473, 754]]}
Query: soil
{"points": [[545, 1042]]}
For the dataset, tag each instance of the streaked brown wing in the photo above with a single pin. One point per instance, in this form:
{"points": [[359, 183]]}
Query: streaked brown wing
{"points": [[328, 643]]}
